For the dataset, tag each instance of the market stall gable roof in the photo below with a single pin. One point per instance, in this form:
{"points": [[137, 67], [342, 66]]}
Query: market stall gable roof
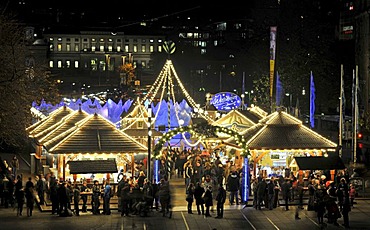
{"points": [[234, 117], [283, 131], [63, 125], [50, 120], [95, 134], [92, 166], [64, 128]]}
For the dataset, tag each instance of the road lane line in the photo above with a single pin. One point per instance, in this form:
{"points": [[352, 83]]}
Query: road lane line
{"points": [[276, 227], [186, 223], [311, 220], [248, 220]]}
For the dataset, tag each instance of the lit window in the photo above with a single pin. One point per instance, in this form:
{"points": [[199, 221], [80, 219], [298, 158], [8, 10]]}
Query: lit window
{"points": [[93, 48], [151, 48], [77, 64], [189, 35], [110, 39], [101, 48], [118, 48], [59, 47], [126, 48], [203, 51], [77, 47], [143, 48], [68, 63], [110, 48], [151, 40], [135, 48], [101, 39], [159, 49], [51, 64], [59, 64], [68, 47], [93, 39], [143, 64], [51, 39], [59, 39]]}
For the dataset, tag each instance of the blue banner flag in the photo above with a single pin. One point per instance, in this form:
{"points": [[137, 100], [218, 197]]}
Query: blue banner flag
{"points": [[312, 102], [279, 90]]}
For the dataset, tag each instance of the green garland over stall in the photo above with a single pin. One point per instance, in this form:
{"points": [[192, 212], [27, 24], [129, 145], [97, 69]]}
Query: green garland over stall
{"points": [[203, 131]]}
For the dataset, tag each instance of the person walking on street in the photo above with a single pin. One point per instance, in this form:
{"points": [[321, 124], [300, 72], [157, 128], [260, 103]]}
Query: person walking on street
{"points": [[220, 198]]}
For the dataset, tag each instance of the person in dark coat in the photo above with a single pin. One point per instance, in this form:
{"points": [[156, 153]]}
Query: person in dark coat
{"points": [[220, 198], [286, 189], [232, 186], [319, 201], [76, 199], [261, 192], [190, 197], [164, 196], [96, 197], [63, 198], [19, 196], [30, 198], [124, 189], [271, 194], [199, 202], [208, 200], [346, 202]]}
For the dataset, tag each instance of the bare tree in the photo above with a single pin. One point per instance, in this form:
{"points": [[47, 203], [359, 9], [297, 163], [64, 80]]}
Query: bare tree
{"points": [[21, 83]]}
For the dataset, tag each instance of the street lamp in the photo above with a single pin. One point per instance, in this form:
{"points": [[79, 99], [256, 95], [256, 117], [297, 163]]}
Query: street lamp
{"points": [[242, 96]]}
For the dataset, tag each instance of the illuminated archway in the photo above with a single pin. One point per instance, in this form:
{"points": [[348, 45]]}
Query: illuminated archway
{"points": [[202, 132]]}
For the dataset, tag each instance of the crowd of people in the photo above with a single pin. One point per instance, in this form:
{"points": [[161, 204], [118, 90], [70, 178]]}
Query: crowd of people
{"points": [[329, 199], [208, 182]]}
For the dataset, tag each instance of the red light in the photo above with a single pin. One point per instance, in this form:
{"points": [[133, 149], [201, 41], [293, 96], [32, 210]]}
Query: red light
{"points": [[360, 145], [359, 135]]}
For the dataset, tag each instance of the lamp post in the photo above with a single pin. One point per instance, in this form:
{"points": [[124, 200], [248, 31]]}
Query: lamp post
{"points": [[149, 173], [242, 96]]}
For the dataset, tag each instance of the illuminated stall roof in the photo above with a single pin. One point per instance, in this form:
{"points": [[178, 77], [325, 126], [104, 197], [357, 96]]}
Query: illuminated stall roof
{"points": [[60, 130], [92, 166], [280, 130], [236, 120], [50, 120], [96, 134]]}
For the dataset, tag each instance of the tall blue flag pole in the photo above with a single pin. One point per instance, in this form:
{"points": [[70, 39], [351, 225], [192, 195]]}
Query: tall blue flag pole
{"points": [[312, 102], [279, 90]]}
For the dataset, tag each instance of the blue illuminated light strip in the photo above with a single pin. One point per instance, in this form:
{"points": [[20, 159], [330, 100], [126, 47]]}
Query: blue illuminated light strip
{"points": [[156, 171], [245, 189]]}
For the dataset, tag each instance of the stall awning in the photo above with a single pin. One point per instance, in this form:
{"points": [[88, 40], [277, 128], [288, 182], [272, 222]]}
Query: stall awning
{"points": [[320, 163], [92, 166]]}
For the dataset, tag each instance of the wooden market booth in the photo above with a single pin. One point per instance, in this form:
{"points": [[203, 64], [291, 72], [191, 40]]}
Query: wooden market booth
{"points": [[278, 138], [80, 136]]}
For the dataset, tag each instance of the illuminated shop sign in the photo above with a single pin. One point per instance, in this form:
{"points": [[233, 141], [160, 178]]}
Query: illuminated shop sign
{"points": [[226, 101]]}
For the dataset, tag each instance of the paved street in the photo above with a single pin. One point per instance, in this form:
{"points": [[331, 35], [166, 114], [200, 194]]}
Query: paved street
{"points": [[235, 218]]}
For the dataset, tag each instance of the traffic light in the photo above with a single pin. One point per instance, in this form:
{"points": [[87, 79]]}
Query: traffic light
{"points": [[359, 136], [360, 145]]}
